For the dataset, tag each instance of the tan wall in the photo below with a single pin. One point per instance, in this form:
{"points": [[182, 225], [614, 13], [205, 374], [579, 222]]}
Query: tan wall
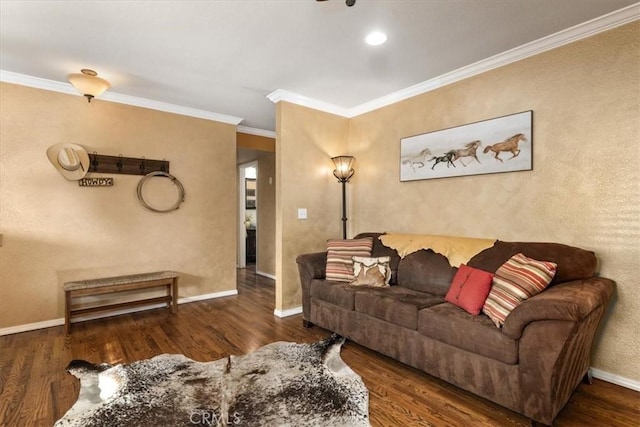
{"points": [[584, 189], [266, 244], [256, 142], [55, 231], [306, 141]]}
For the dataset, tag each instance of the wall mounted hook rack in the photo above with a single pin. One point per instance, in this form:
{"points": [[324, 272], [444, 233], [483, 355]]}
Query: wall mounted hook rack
{"points": [[126, 165]]}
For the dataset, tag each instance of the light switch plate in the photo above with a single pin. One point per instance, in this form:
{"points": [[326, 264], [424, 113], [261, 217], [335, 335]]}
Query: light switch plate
{"points": [[302, 213]]}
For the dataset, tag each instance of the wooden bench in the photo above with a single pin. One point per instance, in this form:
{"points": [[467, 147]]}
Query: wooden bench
{"points": [[109, 285]]}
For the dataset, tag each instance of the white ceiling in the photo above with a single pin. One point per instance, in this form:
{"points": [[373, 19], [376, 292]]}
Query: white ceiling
{"points": [[227, 56]]}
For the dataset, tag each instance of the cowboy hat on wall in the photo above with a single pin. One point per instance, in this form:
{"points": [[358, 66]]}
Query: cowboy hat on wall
{"points": [[71, 160]]}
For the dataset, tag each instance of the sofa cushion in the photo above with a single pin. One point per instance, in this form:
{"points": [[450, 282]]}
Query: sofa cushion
{"points": [[476, 334], [426, 271], [340, 255], [572, 263], [469, 289], [336, 293], [515, 281], [395, 304], [371, 271]]}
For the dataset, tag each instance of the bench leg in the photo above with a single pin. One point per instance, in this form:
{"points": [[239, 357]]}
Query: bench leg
{"points": [[174, 295], [67, 311]]}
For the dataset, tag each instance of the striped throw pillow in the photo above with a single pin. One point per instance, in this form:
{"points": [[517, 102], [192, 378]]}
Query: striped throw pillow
{"points": [[515, 281], [340, 255]]}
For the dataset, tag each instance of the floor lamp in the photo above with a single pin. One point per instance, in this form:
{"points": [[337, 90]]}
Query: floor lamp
{"points": [[343, 172]]}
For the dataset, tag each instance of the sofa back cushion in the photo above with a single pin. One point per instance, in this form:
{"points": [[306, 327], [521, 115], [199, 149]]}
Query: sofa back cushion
{"points": [[380, 250], [426, 271], [572, 263]]}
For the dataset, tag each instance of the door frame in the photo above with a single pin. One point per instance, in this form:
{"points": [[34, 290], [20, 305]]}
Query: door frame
{"points": [[242, 231]]}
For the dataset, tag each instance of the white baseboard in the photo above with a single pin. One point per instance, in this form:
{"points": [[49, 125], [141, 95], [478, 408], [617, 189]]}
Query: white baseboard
{"points": [[203, 297], [31, 326], [615, 379], [262, 273], [288, 312], [60, 321]]}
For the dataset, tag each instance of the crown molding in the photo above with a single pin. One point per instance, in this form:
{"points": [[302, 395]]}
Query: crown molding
{"points": [[603, 23], [257, 132], [295, 98], [66, 88], [586, 29], [37, 82], [561, 38], [170, 108]]}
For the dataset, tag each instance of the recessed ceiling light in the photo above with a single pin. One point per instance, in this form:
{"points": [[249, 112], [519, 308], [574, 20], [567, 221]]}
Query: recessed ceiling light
{"points": [[376, 38]]}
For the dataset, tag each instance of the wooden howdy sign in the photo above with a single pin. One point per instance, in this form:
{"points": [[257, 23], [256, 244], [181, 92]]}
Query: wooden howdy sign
{"points": [[95, 182]]}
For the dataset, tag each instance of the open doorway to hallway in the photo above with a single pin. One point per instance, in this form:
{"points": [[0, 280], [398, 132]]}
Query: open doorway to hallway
{"points": [[257, 151], [248, 214]]}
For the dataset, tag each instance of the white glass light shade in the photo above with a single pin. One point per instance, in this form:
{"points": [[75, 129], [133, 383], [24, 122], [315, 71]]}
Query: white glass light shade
{"points": [[376, 38], [343, 170], [88, 83]]}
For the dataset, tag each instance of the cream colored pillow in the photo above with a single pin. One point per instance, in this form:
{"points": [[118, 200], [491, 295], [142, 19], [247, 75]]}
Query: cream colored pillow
{"points": [[371, 271]]}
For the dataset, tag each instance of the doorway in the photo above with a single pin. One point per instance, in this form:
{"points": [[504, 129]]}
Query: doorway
{"points": [[248, 214]]}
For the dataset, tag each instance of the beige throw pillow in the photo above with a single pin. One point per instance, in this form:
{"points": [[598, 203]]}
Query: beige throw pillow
{"points": [[371, 271]]}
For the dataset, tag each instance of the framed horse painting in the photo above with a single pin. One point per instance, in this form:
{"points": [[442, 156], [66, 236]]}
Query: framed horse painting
{"points": [[503, 144]]}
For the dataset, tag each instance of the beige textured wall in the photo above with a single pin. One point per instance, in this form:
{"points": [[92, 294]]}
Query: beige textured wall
{"points": [[584, 189], [266, 239], [255, 142], [306, 141], [55, 231]]}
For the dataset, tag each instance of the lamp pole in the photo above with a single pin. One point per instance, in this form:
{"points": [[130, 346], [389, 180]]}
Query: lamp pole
{"points": [[344, 208]]}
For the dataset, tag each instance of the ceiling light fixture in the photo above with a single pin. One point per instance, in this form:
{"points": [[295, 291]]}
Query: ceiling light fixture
{"points": [[88, 83], [376, 38]]}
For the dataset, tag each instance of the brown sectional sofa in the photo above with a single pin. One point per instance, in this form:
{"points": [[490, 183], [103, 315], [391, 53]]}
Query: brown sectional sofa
{"points": [[531, 365]]}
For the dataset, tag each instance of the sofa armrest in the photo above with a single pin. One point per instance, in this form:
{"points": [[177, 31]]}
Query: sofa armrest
{"points": [[572, 301], [314, 264], [310, 266]]}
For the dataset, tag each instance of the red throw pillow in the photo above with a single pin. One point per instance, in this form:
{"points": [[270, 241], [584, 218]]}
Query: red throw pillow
{"points": [[469, 289]]}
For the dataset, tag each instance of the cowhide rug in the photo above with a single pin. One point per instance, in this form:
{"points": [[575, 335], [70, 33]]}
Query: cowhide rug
{"points": [[280, 384]]}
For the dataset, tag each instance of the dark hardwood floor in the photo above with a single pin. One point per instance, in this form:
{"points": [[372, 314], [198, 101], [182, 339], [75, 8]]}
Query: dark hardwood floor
{"points": [[35, 390]]}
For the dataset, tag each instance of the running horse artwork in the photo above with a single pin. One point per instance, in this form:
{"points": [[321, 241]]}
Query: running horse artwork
{"points": [[510, 144], [447, 158], [469, 151], [419, 160], [464, 150]]}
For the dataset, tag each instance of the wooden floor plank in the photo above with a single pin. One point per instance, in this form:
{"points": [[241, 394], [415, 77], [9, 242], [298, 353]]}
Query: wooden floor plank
{"points": [[35, 390]]}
